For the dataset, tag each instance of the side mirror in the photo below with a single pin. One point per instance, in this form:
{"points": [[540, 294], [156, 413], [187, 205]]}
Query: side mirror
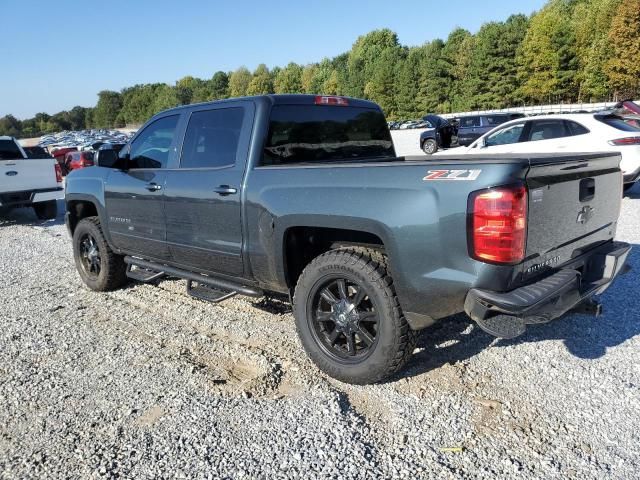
{"points": [[106, 158], [111, 159]]}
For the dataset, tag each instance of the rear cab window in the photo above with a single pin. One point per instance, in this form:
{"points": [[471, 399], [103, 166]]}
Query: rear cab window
{"points": [[303, 134], [9, 150]]}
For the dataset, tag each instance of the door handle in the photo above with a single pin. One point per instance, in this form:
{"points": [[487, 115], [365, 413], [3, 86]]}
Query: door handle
{"points": [[225, 190], [153, 187]]}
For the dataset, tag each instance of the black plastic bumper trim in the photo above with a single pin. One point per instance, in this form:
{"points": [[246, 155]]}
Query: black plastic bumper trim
{"points": [[556, 294]]}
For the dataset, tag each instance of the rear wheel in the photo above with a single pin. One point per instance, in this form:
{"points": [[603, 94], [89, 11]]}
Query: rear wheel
{"points": [[99, 267], [430, 146], [348, 317], [46, 210]]}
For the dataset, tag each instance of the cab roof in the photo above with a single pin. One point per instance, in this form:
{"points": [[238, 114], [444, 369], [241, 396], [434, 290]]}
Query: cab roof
{"points": [[284, 99]]}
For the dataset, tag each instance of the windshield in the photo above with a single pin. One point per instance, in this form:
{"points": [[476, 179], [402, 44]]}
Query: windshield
{"points": [[319, 133]]}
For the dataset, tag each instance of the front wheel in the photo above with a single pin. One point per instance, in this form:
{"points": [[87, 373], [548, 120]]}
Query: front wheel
{"points": [[430, 146], [99, 267], [348, 317]]}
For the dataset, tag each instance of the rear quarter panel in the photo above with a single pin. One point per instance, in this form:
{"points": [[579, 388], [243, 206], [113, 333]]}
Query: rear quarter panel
{"points": [[422, 223]]}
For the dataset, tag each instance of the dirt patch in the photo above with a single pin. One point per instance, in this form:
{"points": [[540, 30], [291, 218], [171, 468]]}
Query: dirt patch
{"points": [[150, 416]]}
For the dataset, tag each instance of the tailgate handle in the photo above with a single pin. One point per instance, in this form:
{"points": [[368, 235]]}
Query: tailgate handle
{"points": [[587, 189]]}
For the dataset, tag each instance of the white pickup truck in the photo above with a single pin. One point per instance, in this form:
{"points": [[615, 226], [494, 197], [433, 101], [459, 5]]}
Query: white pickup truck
{"points": [[28, 182]]}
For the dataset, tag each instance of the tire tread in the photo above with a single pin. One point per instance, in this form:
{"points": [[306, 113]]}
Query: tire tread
{"points": [[116, 271], [374, 265]]}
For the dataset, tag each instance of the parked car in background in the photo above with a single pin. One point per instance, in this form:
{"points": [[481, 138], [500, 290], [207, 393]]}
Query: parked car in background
{"points": [[77, 160], [28, 182], [580, 132], [439, 133], [60, 154], [628, 111], [472, 127]]}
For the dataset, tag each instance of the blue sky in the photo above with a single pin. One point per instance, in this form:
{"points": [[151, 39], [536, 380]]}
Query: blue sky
{"points": [[57, 54]]}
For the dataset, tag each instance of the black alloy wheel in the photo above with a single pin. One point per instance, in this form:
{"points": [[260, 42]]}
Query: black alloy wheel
{"points": [[348, 316], [90, 258], [343, 318]]}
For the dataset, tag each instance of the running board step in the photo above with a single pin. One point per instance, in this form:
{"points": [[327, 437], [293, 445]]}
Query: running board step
{"points": [[220, 285], [208, 294], [144, 275]]}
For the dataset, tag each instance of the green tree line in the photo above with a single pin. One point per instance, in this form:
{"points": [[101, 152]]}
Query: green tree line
{"points": [[569, 51]]}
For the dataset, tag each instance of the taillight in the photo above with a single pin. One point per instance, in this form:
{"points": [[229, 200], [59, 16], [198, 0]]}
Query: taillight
{"points": [[58, 170], [331, 100], [625, 141], [498, 224], [86, 163]]}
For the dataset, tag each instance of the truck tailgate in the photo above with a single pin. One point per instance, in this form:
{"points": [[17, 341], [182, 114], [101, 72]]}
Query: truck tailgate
{"points": [[27, 174], [573, 207]]}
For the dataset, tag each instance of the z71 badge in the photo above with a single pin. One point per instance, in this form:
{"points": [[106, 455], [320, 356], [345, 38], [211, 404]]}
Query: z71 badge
{"points": [[452, 174]]}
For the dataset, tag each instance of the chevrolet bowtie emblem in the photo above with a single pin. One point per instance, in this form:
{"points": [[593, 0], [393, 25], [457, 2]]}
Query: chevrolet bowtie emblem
{"points": [[585, 215]]}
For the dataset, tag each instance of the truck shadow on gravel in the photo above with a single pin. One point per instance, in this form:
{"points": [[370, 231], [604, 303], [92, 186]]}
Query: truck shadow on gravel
{"points": [[457, 338], [27, 217]]}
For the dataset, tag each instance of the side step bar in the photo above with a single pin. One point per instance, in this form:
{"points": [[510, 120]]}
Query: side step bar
{"points": [[219, 285], [208, 294], [144, 275]]}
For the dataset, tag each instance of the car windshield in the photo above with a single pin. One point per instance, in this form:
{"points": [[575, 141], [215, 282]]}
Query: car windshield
{"points": [[319, 133]]}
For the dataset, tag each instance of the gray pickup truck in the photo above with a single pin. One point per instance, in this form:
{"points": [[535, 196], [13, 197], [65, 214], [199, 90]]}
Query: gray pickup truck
{"points": [[303, 197]]}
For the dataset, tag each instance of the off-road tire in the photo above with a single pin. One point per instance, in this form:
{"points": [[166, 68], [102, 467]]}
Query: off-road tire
{"points": [[396, 341], [46, 210], [113, 269]]}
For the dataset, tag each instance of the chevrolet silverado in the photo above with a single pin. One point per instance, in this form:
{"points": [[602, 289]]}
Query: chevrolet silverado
{"points": [[303, 197]]}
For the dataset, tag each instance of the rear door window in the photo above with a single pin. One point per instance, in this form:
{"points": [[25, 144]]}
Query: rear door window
{"points": [[493, 120], [212, 138], [469, 122], [547, 130], [575, 128], [325, 133]]}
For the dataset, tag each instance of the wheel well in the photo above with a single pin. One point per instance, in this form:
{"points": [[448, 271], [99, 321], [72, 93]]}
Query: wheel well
{"points": [[78, 210], [303, 244], [424, 140]]}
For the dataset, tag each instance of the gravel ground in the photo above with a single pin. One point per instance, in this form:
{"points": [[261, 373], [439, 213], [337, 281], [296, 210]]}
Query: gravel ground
{"points": [[148, 383]]}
